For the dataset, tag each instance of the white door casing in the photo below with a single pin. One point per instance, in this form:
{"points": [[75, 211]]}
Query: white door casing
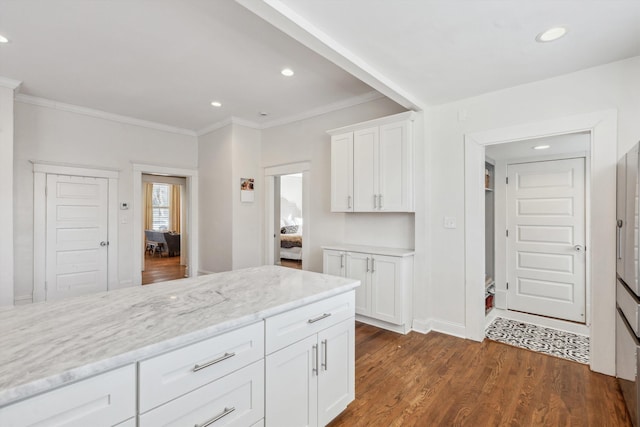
{"points": [[546, 238], [77, 236]]}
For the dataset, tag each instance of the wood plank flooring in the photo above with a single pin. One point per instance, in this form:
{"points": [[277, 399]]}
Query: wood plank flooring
{"points": [[291, 263], [160, 269], [438, 380]]}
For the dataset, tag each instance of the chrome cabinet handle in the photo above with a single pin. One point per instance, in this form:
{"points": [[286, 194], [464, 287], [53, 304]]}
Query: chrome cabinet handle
{"points": [[314, 320], [375, 201], [380, 201], [368, 264], [341, 260], [373, 265], [315, 369], [223, 414], [349, 202], [619, 239], [226, 356], [325, 345]]}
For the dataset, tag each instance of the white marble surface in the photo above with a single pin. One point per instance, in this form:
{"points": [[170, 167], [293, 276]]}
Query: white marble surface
{"points": [[46, 345], [377, 250]]}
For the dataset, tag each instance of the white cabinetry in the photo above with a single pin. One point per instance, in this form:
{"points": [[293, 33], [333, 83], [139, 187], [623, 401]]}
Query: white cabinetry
{"points": [[386, 280], [104, 400], [310, 363], [372, 166]]}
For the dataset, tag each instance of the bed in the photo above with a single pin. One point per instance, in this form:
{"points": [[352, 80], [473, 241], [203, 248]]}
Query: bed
{"points": [[291, 243]]}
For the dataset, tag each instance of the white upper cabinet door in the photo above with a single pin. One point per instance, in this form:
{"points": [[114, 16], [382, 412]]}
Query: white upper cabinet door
{"points": [[365, 170], [358, 267], [621, 215], [395, 169], [342, 172], [631, 223]]}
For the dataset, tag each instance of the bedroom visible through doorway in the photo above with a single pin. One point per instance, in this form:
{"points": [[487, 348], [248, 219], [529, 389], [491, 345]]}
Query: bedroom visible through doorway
{"points": [[289, 204]]}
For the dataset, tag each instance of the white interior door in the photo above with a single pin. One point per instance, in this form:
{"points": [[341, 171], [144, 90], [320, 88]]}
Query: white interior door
{"points": [[76, 243], [546, 238]]}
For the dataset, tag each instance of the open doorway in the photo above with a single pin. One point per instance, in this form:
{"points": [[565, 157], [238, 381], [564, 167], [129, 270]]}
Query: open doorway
{"points": [[289, 198], [163, 207], [536, 227], [290, 182]]}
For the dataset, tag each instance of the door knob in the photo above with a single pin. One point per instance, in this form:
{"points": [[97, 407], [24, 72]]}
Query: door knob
{"points": [[579, 248], [103, 243]]}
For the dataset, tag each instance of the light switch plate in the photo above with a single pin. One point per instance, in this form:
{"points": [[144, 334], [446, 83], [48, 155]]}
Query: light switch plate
{"points": [[450, 222]]}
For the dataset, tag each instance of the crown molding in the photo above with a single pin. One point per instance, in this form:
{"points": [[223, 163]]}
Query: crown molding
{"points": [[10, 83], [43, 102], [346, 103]]}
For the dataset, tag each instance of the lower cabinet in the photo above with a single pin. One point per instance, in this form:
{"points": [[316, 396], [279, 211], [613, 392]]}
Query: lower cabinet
{"points": [[384, 295], [107, 400], [310, 363]]}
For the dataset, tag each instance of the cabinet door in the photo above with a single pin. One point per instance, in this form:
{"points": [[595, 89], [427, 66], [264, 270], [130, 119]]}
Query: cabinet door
{"points": [[621, 205], [386, 289], [395, 168], [365, 170], [333, 262], [342, 173], [292, 385], [358, 268], [631, 223], [336, 380]]}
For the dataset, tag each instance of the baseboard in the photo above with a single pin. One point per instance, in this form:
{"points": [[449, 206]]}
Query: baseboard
{"points": [[203, 272], [449, 328], [422, 326], [23, 300]]}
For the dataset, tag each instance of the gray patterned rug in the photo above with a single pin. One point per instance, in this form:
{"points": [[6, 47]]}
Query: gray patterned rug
{"points": [[543, 340]]}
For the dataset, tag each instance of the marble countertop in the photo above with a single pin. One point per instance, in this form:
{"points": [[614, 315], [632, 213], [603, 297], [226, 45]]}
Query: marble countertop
{"points": [[401, 252], [47, 345]]}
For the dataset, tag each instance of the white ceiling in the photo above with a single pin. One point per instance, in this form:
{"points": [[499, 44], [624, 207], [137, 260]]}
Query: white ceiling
{"points": [[438, 51], [164, 61]]}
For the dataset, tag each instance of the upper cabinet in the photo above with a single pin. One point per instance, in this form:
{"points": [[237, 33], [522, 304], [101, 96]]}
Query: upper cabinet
{"points": [[372, 165]]}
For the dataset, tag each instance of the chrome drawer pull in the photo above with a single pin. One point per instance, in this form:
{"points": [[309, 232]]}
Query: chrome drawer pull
{"points": [[224, 413], [196, 368], [324, 316]]}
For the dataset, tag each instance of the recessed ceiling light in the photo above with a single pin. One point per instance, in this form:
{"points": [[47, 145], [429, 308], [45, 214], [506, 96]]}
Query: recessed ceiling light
{"points": [[216, 104], [3, 39], [551, 34], [541, 147], [288, 72]]}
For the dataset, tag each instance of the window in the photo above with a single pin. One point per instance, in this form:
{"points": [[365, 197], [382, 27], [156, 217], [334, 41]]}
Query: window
{"points": [[160, 198]]}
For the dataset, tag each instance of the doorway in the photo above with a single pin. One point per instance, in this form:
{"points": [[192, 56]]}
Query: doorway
{"points": [[290, 215], [164, 211]]}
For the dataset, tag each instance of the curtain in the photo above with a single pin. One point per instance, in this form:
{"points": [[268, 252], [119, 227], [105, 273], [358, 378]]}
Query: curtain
{"points": [[148, 206], [174, 209]]}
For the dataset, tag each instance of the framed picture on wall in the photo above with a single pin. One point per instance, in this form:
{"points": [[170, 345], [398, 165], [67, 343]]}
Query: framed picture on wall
{"points": [[246, 189]]}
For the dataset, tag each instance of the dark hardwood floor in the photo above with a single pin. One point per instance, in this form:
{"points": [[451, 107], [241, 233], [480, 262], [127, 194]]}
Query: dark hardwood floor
{"points": [[438, 380], [159, 269]]}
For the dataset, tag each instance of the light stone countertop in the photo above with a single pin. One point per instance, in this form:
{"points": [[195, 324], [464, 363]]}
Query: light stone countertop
{"points": [[378, 250], [47, 345]]}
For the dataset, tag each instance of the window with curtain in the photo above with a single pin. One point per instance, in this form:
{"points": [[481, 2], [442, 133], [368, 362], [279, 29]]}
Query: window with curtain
{"points": [[161, 206]]}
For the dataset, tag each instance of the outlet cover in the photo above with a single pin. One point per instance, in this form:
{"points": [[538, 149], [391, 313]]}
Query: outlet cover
{"points": [[450, 222]]}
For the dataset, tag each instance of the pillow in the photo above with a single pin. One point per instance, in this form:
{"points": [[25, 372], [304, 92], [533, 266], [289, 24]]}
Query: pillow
{"points": [[289, 229]]}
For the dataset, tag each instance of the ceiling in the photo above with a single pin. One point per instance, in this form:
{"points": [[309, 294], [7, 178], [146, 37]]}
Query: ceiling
{"points": [[164, 61], [572, 143]]}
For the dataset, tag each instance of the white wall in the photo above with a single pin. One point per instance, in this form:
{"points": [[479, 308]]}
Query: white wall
{"points": [[6, 196], [48, 134], [612, 86], [247, 216], [307, 140], [216, 226]]}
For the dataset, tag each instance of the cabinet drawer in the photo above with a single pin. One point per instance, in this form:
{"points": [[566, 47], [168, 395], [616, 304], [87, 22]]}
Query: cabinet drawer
{"points": [[104, 400], [291, 326], [173, 374], [236, 400]]}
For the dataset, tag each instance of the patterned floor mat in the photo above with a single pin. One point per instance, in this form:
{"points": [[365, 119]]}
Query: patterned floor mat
{"points": [[543, 340]]}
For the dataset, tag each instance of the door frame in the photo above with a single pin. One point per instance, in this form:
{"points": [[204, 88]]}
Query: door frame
{"points": [[602, 127], [191, 197], [270, 173], [40, 172]]}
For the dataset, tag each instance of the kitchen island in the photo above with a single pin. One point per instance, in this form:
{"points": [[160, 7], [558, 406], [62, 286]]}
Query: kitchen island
{"points": [[162, 335]]}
